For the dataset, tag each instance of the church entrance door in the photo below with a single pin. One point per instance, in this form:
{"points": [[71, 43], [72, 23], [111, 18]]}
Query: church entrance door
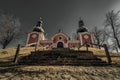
{"points": [[59, 45]]}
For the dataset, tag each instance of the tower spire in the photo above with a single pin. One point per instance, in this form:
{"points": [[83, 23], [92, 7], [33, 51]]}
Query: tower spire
{"points": [[39, 27], [39, 23], [81, 26], [81, 22], [60, 31]]}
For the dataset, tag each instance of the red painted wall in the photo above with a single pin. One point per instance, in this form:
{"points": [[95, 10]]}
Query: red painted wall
{"points": [[57, 38], [45, 43], [73, 45], [89, 39], [33, 40]]}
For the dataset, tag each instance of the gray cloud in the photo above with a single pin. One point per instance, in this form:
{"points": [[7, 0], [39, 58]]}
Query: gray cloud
{"points": [[58, 14]]}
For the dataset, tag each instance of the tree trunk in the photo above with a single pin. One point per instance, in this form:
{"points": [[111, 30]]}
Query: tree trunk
{"points": [[4, 46], [116, 49], [117, 42], [112, 25], [99, 46], [98, 42]]}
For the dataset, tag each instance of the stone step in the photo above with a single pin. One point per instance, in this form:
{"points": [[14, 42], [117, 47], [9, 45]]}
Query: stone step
{"points": [[39, 61], [66, 63], [61, 57], [63, 61], [58, 58]]}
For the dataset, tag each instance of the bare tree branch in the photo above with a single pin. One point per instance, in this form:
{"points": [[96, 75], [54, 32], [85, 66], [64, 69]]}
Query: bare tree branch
{"points": [[113, 23], [99, 36], [9, 27]]}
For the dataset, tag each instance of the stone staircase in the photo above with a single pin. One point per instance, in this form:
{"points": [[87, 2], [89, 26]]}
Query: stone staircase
{"points": [[62, 56]]}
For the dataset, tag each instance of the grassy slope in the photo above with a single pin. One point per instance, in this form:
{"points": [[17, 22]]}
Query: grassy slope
{"points": [[58, 72], [10, 52]]}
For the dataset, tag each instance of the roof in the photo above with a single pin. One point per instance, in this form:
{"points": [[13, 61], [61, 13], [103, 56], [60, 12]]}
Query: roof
{"points": [[68, 38], [38, 29]]}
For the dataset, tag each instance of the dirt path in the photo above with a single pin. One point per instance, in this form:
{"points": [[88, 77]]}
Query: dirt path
{"points": [[59, 73]]}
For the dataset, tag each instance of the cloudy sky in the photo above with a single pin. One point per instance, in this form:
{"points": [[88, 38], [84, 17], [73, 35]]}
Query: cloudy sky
{"points": [[59, 14]]}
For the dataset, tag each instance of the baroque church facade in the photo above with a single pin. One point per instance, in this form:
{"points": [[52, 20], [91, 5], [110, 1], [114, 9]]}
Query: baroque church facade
{"points": [[60, 39]]}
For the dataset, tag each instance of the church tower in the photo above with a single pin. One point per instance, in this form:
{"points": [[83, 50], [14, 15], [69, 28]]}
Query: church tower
{"points": [[83, 35], [81, 27], [36, 35]]}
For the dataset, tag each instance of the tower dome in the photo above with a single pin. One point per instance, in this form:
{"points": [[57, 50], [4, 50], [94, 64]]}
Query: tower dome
{"points": [[38, 27], [81, 27]]}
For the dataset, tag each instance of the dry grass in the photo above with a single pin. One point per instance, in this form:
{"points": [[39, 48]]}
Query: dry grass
{"points": [[10, 52], [5, 54], [101, 54], [61, 73], [58, 72]]}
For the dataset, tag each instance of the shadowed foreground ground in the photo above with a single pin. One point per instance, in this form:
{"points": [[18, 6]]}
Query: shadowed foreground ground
{"points": [[59, 73], [10, 71]]}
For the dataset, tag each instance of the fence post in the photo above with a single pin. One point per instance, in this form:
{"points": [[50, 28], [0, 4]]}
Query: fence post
{"points": [[107, 53], [16, 54], [86, 43], [35, 47]]}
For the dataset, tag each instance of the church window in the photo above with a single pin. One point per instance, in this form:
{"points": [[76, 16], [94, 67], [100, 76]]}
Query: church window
{"points": [[60, 38]]}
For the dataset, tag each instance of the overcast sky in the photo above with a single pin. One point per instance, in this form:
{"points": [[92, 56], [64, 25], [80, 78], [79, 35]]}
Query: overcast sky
{"points": [[59, 14]]}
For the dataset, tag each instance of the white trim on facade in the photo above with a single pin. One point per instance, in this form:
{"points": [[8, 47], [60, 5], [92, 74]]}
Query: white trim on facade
{"points": [[40, 37], [80, 38], [27, 40], [75, 41], [59, 34]]}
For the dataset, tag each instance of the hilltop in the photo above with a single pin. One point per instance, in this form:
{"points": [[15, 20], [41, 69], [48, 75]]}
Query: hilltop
{"points": [[18, 72], [9, 53]]}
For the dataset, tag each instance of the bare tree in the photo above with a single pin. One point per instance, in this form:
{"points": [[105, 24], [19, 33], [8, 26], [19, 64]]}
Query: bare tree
{"points": [[9, 27], [114, 46], [99, 36], [113, 26]]}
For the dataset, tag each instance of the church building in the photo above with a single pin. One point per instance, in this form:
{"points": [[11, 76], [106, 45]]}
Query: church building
{"points": [[60, 39]]}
